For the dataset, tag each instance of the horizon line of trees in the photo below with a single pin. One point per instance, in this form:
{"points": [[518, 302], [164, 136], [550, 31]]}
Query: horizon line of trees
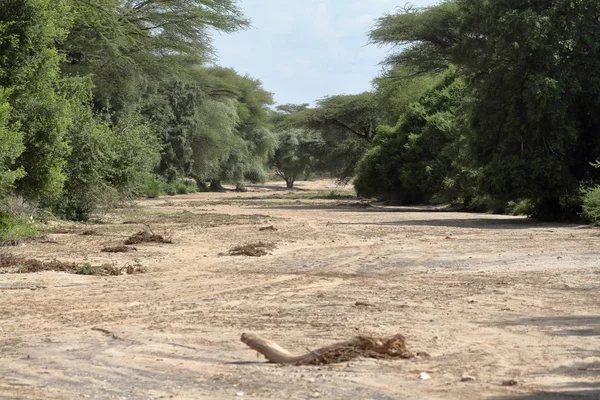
{"points": [[487, 106], [109, 99]]}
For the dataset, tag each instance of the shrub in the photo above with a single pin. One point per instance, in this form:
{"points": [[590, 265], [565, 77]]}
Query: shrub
{"points": [[487, 204], [15, 228], [181, 187], [591, 205], [169, 189], [151, 188], [521, 207]]}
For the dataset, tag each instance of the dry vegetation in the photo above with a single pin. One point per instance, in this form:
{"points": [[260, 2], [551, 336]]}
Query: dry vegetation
{"points": [[146, 236], [252, 249], [14, 264]]}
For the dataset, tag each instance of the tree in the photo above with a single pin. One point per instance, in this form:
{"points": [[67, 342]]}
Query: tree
{"points": [[343, 115], [29, 67], [127, 44], [346, 124], [294, 156], [397, 88], [171, 107], [254, 143], [422, 159], [11, 147], [532, 68]]}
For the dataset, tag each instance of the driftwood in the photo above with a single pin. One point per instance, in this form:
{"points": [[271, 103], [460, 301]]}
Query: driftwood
{"points": [[361, 346]]}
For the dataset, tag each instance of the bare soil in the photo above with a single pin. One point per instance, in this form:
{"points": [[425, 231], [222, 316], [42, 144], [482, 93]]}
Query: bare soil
{"points": [[497, 307]]}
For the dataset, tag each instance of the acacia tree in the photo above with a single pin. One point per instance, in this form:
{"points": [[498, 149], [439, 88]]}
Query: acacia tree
{"points": [[126, 44], [344, 115], [346, 124], [294, 156], [421, 160], [254, 143], [533, 70]]}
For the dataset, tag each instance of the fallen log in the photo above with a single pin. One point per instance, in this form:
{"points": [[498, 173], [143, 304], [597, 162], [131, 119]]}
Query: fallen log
{"points": [[361, 346]]}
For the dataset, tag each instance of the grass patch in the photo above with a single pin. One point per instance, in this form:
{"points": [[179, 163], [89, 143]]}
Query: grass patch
{"points": [[15, 264], [257, 249], [14, 230]]}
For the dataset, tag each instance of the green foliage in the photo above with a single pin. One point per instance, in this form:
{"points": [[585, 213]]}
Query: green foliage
{"points": [[294, 156], [252, 143], [106, 163], [591, 205], [29, 67], [172, 110], [397, 88], [14, 228], [522, 207], [532, 70], [151, 188], [421, 160], [343, 115], [126, 44], [11, 146], [346, 124]]}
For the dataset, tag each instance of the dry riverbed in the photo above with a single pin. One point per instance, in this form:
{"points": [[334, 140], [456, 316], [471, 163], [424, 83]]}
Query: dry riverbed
{"points": [[505, 308]]}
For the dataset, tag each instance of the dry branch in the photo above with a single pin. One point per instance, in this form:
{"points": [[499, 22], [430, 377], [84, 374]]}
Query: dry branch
{"points": [[361, 346]]}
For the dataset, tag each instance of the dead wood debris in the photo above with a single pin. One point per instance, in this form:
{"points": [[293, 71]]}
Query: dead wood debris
{"points": [[146, 237], [268, 228], [363, 304], [252, 249], [14, 264], [361, 346], [118, 249]]}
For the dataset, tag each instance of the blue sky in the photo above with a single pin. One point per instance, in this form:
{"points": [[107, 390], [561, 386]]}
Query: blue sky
{"points": [[305, 50]]}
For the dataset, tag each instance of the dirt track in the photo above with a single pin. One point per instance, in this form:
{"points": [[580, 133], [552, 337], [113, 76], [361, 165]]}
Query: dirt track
{"points": [[493, 297]]}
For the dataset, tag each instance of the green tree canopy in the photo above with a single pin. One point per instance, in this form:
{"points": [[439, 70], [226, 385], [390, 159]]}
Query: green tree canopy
{"points": [[29, 69], [532, 68]]}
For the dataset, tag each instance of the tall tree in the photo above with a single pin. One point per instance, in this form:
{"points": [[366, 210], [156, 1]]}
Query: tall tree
{"points": [[347, 125], [29, 67], [295, 155], [533, 71], [422, 159], [125, 44], [345, 114]]}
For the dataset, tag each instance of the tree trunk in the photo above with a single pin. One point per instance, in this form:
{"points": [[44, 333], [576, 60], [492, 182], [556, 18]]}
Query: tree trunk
{"points": [[289, 183], [215, 186], [362, 346]]}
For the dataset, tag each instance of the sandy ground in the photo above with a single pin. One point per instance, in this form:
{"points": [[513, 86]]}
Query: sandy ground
{"points": [[494, 297]]}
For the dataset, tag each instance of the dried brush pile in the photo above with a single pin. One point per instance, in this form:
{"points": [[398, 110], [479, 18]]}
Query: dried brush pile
{"points": [[361, 346]]}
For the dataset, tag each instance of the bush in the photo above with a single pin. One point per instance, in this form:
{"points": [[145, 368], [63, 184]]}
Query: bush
{"points": [[591, 205], [169, 189], [14, 228], [151, 188], [487, 204], [181, 187], [521, 207]]}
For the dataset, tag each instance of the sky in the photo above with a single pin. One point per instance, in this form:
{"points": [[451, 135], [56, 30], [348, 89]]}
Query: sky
{"points": [[305, 50]]}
